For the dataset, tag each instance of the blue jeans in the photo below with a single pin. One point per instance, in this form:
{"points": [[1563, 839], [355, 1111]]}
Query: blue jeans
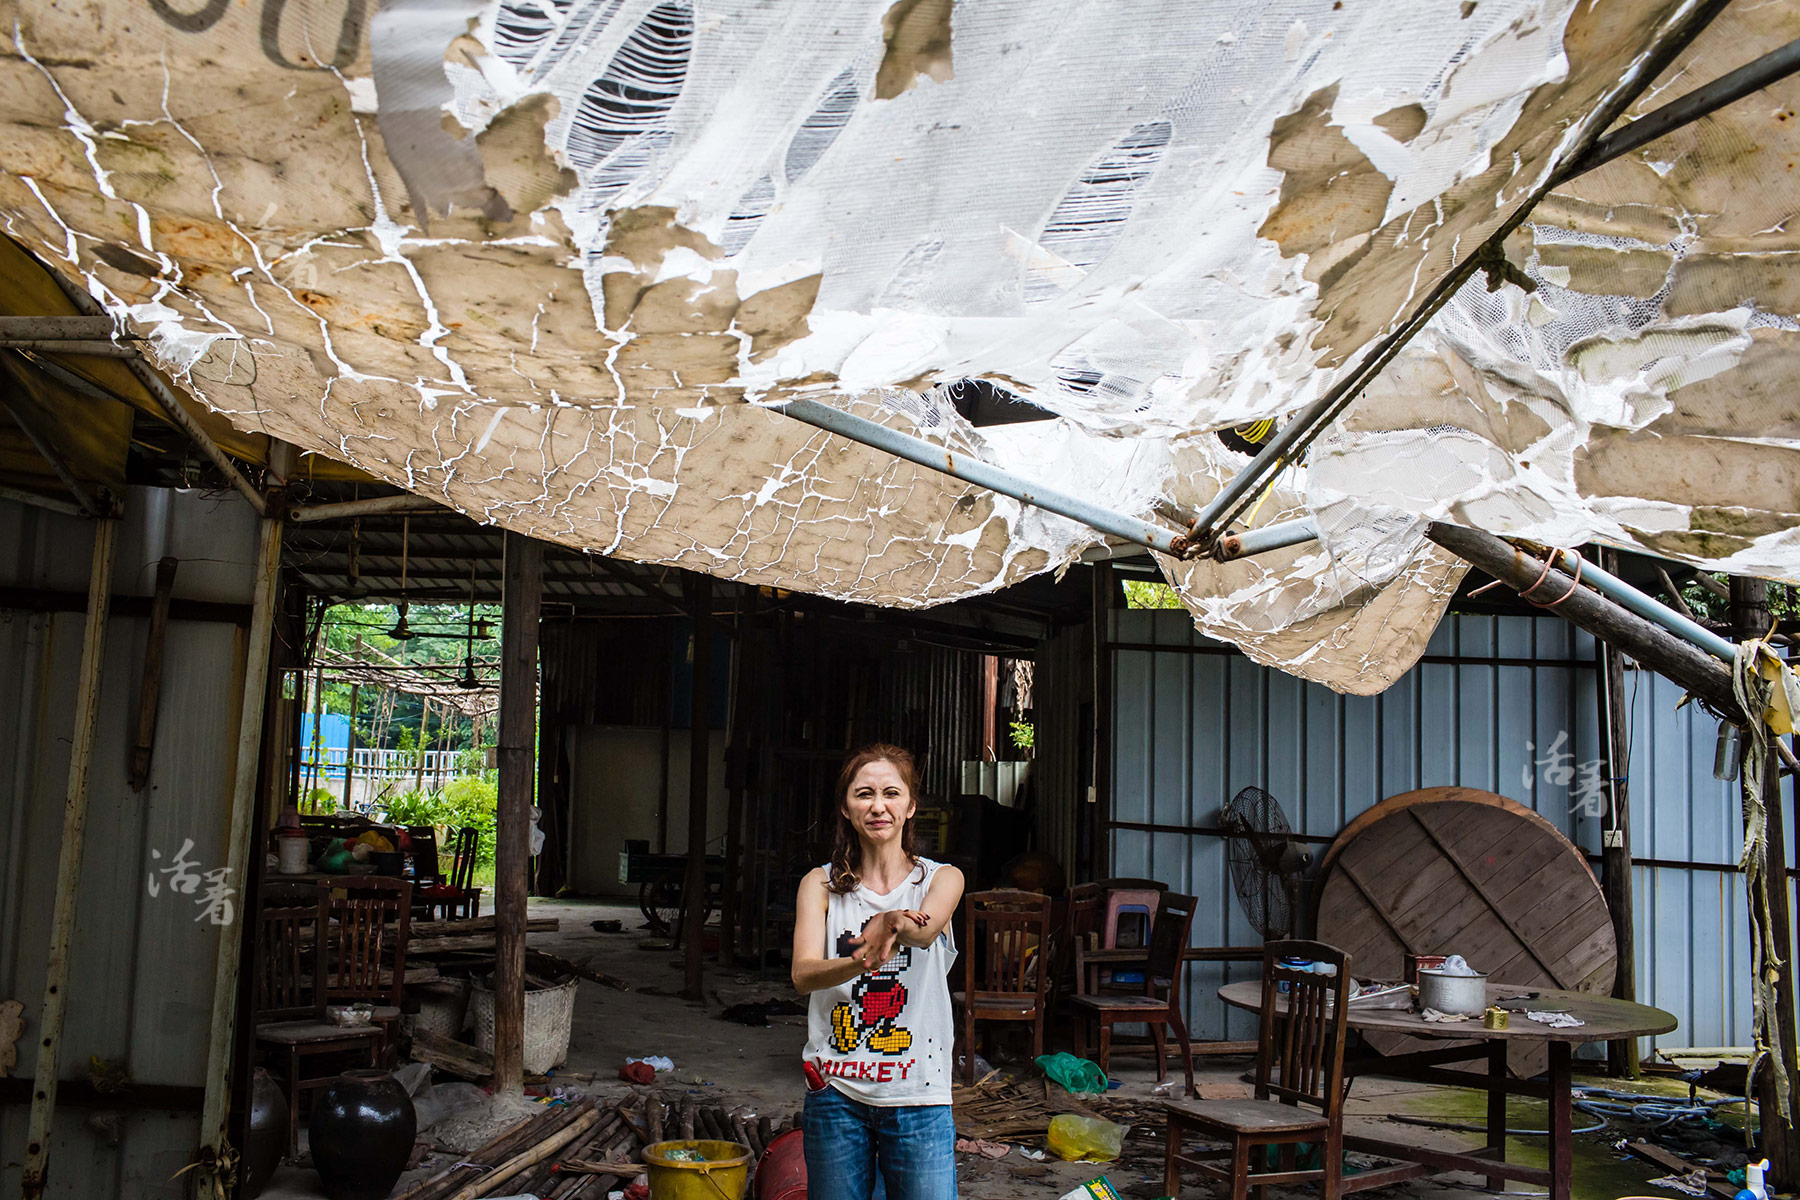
{"points": [[853, 1148]]}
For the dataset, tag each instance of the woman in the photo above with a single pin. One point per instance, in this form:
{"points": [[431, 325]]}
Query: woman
{"points": [[873, 948]]}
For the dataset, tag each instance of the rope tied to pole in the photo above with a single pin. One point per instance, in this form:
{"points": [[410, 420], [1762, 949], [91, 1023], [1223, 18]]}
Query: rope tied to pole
{"points": [[1753, 695]]}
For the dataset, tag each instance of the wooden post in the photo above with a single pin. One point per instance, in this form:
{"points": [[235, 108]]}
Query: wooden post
{"points": [[693, 888], [1780, 1140], [350, 740], [736, 769], [424, 735], [524, 588], [1615, 834], [1099, 799], [316, 774], [68, 869], [213, 1115]]}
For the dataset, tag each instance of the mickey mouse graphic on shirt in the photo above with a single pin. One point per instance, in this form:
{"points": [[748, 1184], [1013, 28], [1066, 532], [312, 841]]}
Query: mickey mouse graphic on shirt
{"points": [[873, 1011]]}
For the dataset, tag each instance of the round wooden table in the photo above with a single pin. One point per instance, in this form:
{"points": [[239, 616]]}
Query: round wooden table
{"points": [[1604, 1020]]}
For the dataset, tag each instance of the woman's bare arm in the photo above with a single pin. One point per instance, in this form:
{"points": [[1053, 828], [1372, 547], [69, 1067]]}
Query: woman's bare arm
{"points": [[913, 927], [812, 971]]}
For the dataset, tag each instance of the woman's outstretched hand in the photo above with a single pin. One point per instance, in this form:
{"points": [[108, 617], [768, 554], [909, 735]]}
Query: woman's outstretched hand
{"points": [[879, 939]]}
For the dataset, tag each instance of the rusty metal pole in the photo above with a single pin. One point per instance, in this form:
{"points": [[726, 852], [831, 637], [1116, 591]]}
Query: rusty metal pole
{"points": [[693, 887], [68, 871], [213, 1127], [520, 605]]}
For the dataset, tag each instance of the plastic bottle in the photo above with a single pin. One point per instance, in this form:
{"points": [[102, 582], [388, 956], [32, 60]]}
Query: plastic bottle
{"points": [[1753, 1188]]}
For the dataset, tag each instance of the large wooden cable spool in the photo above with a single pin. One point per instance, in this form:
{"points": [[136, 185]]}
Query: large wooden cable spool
{"points": [[1457, 871]]}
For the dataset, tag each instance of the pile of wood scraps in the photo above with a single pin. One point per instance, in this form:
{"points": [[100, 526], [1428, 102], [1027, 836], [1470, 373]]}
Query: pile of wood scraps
{"points": [[528, 1158], [686, 1118], [999, 1108]]}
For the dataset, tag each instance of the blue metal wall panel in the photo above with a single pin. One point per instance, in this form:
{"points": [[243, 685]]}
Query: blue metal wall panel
{"points": [[1507, 704]]}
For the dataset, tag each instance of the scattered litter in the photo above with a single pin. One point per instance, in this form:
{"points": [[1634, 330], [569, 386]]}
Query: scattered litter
{"points": [[1444, 1018], [1555, 1020], [1033, 1155], [608, 926], [1077, 1075], [756, 1014], [1691, 1184], [1072, 1138], [1093, 1189], [351, 1015], [982, 1147], [656, 1062], [692, 1077], [637, 1072]]}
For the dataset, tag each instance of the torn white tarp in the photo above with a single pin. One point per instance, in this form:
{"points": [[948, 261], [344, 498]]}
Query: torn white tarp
{"points": [[551, 260]]}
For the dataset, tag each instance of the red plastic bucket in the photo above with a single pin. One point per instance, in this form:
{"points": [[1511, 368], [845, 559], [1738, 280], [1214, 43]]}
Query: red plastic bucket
{"points": [[781, 1171]]}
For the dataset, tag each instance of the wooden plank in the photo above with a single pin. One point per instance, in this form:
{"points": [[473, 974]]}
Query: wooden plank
{"points": [[1375, 907], [458, 1058]]}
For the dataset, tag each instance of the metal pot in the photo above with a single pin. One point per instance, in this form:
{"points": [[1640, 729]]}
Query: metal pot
{"points": [[1452, 993]]}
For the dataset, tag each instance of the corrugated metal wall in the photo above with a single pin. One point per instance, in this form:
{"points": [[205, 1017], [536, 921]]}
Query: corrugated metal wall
{"points": [[140, 989], [1194, 721]]}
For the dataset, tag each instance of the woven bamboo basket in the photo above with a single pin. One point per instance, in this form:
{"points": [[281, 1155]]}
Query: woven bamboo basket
{"points": [[549, 1013]]}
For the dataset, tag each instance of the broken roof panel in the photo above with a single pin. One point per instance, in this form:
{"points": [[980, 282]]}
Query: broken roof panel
{"points": [[551, 261]]}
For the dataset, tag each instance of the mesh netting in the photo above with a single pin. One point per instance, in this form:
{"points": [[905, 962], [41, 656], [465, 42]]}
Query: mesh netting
{"points": [[549, 261]]}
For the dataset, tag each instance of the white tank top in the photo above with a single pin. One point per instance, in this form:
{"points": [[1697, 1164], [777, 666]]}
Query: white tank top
{"points": [[885, 1038]]}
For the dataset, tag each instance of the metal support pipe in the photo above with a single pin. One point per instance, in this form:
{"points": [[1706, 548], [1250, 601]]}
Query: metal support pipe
{"points": [[1708, 98], [171, 404], [20, 496], [68, 869], [91, 505], [1650, 609], [1267, 538], [986, 475], [100, 329], [88, 346], [213, 1128], [1293, 438], [405, 502]]}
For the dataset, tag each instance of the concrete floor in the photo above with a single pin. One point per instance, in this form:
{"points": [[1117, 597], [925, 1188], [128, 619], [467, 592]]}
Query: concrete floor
{"points": [[759, 1069]]}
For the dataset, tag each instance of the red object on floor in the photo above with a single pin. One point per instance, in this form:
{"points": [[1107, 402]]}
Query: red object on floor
{"points": [[638, 1072], [781, 1172]]}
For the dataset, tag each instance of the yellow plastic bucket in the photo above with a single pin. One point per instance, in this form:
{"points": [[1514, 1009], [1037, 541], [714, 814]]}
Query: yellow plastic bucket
{"points": [[720, 1174]]}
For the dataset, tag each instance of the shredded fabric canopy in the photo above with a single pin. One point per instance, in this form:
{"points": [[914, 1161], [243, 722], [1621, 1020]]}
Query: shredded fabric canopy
{"points": [[553, 262]]}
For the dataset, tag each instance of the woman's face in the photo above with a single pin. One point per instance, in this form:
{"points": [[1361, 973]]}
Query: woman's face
{"points": [[879, 802]]}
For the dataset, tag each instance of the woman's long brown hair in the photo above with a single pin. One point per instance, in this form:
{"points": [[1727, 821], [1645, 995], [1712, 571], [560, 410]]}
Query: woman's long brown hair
{"points": [[846, 847]]}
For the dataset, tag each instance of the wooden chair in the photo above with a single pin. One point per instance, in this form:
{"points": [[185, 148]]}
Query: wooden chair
{"points": [[365, 961], [290, 1000], [1087, 916], [1006, 948], [1158, 1005], [1299, 1069], [426, 869], [458, 897]]}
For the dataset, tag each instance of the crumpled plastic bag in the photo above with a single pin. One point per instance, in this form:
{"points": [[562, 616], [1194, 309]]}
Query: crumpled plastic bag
{"points": [[1077, 1075], [1072, 1137], [1456, 965]]}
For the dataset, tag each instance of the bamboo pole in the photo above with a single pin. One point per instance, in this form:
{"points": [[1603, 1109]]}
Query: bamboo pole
{"points": [[213, 1114], [68, 870]]}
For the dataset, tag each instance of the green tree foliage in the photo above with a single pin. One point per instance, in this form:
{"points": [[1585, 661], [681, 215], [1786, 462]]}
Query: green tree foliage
{"points": [[1143, 593], [466, 800]]}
